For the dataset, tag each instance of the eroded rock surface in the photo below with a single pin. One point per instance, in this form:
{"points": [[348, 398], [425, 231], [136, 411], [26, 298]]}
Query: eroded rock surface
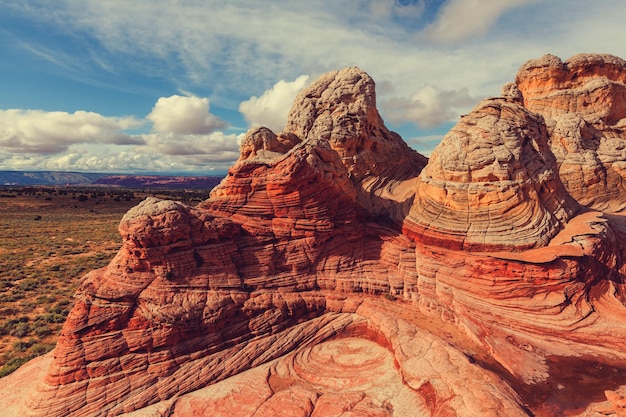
{"points": [[491, 184], [584, 103], [335, 271]]}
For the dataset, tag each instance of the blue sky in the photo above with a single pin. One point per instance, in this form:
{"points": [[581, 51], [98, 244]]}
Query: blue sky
{"points": [[161, 86]]}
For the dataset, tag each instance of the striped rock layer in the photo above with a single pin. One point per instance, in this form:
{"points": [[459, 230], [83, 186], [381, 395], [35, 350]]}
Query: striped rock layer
{"points": [[336, 272], [583, 101]]}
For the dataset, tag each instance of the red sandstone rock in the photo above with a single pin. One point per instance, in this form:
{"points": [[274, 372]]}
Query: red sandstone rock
{"points": [[491, 184], [584, 103], [333, 272]]}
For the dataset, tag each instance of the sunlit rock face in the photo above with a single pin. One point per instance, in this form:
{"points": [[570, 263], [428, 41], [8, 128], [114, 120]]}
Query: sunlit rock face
{"points": [[335, 271], [492, 184], [584, 103]]}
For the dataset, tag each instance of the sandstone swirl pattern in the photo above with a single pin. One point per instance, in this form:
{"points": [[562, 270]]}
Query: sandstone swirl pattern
{"points": [[336, 272]]}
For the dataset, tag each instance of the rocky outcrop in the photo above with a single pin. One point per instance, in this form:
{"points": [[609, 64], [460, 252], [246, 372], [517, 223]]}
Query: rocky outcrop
{"points": [[584, 103], [335, 121], [491, 184], [334, 271]]}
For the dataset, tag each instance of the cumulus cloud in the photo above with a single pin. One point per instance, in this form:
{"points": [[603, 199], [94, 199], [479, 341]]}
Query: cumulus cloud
{"points": [[184, 115], [182, 138], [159, 153], [218, 145], [225, 50], [427, 107], [272, 108], [184, 132], [36, 131], [461, 19]]}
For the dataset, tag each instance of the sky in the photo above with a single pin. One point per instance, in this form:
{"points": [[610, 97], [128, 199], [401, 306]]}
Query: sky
{"points": [[171, 86]]}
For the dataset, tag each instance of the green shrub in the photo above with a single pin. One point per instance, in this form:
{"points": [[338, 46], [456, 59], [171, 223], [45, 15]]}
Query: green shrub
{"points": [[8, 311], [46, 299], [20, 330], [27, 306], [41, 329], [22, 345], [11, 366], [11, 296], [53, 318], [61, 308], [38, 349]]}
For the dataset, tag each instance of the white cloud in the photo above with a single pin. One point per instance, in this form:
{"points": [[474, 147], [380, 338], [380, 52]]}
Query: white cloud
{"points": [[229, 50], [184, 115], [235, 47], [427, 107], [161, 153], [384, 9], [216, 145], [424, 144], [36, 131], [87, 141], [459, 20], [272, 108]]}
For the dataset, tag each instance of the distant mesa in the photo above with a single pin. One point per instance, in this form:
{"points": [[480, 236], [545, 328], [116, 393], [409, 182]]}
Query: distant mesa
{"points": [[160, 181], [336, 271], [28, 178]]}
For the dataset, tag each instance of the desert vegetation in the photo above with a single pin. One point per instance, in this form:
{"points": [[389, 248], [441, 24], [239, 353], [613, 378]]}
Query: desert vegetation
{"points": [[49, 238]]}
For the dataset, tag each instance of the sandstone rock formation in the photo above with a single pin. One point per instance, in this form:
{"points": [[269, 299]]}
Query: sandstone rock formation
{"points": [[584, 103], [491, 184], [335, 271]]}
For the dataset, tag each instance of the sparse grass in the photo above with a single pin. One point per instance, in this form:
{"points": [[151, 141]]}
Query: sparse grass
{"points": [[49, 238]]}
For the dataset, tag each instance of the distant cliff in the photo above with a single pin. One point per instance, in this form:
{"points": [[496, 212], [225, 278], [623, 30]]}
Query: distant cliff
{"points": [[159, 181], [48, 178]]}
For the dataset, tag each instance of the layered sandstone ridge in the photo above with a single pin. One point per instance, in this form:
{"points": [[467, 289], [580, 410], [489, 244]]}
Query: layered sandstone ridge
{"points": [[335, 272], [336, 120], [584, 103], [491, 184]]}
